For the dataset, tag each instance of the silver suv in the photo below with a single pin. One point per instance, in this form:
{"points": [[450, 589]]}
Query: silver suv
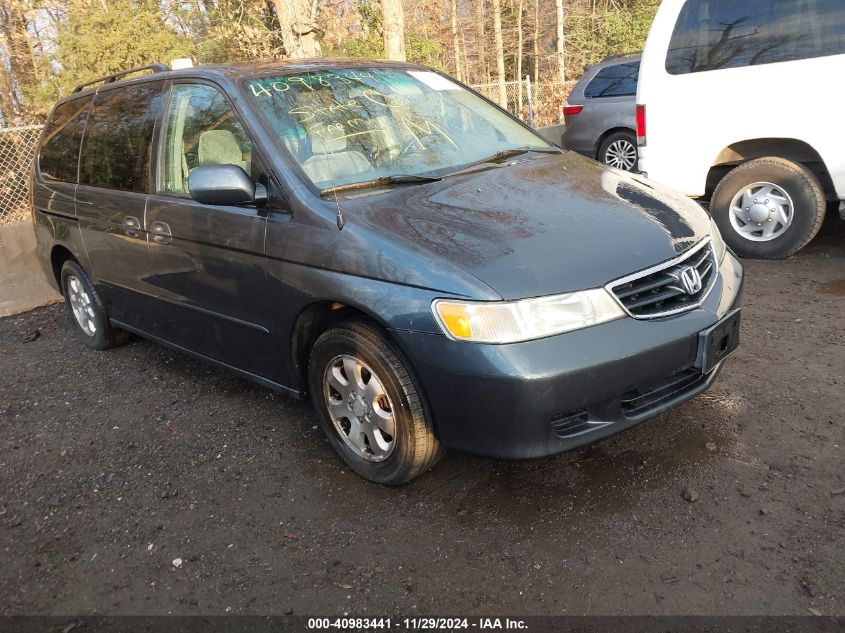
{"points": [[601, 112]]}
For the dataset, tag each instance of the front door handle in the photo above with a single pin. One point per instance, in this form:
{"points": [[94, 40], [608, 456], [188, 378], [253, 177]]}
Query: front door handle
{"points": [[161, 232], [132, 226]]}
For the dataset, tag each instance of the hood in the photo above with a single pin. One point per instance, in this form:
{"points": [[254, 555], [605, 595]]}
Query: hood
{"points": [[542, 226]]}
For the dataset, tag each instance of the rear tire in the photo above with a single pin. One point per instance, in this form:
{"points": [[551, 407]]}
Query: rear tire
{"points": [[619, 150], [369, 404], [791, 206], [86, 310]]}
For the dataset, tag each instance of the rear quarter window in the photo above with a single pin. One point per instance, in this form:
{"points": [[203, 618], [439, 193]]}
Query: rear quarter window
{"points": [[619, 80], [118, 138], [718, 34], [59, 155]]}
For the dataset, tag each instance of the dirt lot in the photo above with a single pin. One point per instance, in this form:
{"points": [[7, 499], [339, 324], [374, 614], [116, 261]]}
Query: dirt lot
{"points": [[115, 464]]}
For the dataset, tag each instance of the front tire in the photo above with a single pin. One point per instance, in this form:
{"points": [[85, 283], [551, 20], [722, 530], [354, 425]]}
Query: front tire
{"points": [[86, 310], [619, 150], [768, 208], [370, 406]]}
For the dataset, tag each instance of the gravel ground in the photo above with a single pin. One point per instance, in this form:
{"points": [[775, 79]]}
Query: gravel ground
{"points": [[139, 481]]}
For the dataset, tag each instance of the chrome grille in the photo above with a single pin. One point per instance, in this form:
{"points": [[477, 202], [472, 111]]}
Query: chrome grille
{"points": [[671, 288]]}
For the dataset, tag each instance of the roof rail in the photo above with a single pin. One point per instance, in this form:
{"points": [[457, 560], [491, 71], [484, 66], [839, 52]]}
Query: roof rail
{"points": [[107, 79], [621, 56]]}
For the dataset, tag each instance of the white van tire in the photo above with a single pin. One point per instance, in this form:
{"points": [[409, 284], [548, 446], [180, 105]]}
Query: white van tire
{"points": [[804, 191]]}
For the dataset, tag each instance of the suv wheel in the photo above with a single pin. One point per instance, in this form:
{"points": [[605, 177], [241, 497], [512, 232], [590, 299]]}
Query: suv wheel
{"points": [[86, 310], [768, 208], [369, 405], [619, 150]]}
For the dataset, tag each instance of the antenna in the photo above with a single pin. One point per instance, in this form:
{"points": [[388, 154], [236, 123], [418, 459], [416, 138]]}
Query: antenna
{"points": [[339, 217]]}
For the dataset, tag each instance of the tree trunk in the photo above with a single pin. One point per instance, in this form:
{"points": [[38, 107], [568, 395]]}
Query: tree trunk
{"points": [[466, 58], [393, 23], [456, 40], [500, 52], [298, 28], [536, 41], [481, 43], [15, 38], [561, 64], [519, 49]]}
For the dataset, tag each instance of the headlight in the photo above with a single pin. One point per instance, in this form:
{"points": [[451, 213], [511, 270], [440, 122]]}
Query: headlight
{"points": [[524, 320], [718, 243]]}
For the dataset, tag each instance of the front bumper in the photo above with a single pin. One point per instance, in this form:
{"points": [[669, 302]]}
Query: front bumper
{"points": [[540, 398]]}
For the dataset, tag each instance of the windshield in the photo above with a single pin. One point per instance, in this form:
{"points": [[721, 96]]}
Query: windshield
{"points": [[354, 125]]}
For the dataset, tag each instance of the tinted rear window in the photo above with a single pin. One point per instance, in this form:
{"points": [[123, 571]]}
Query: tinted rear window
{"points": [[614, 81], [716, 34], [60, 148], [118, 138]]}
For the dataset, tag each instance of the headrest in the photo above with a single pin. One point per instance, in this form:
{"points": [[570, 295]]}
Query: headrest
{"points": [[321, 146], [219, 147]]}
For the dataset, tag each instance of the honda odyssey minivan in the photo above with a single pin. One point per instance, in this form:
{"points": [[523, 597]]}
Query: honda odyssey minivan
{"points": [[381, 239]]}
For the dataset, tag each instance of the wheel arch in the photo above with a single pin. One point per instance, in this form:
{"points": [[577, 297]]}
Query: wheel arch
{"points": [[791, 149], [59, 254], [318, 317]]}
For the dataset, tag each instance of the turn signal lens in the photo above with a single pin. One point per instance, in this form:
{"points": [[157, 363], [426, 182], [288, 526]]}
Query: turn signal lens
{"points": [[528, 319], [456, 319]]}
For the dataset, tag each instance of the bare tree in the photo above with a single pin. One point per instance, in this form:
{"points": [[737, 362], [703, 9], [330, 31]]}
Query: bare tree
{"points": [[456, 40], [20, 56], [393, 23], [500, 52], [519, 48], [480, 43], [297, 21], [536, 42], [561, 63]]}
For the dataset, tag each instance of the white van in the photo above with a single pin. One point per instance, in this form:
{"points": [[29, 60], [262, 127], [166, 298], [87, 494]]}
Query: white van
{"points": [[742, 102]]}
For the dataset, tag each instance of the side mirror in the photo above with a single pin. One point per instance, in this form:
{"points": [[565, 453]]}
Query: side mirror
{"points": [[224, 185]]}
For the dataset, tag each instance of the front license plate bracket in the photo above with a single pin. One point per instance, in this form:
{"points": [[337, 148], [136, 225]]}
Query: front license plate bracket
{"points": [[718, 342]]}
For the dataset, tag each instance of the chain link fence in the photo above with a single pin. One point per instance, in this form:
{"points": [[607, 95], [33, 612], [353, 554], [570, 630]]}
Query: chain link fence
{"points": [[17, 149], [538, 104]]}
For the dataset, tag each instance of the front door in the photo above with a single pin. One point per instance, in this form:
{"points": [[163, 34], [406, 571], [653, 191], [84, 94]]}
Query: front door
{"points": [[207, 262]]}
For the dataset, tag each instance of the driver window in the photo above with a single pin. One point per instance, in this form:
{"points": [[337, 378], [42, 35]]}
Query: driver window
{"points": [[200, 130]]}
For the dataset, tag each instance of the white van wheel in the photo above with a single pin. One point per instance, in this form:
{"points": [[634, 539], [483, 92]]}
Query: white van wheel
{"points": [[768, 208]]}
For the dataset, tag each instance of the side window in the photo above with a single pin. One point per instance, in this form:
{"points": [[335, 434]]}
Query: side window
{"points": [[201, 129], [59, 154], [716, 34], [118, 138], [614, 81]]}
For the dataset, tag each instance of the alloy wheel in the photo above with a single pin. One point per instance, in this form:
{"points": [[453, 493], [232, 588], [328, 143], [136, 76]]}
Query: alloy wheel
{"points": [[621, 154], [82, 305]]}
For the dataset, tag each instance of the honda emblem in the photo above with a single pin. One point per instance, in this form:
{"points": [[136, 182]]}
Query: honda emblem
{"points": [[690, 279]]}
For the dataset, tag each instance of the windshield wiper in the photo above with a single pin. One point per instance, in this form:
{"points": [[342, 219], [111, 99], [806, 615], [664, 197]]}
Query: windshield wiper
{"points": [[384, 181], [505, 154]]}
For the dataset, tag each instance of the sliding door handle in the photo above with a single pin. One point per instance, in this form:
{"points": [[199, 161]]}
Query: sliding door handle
{"points": [[131, 226], [161, 232]]}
